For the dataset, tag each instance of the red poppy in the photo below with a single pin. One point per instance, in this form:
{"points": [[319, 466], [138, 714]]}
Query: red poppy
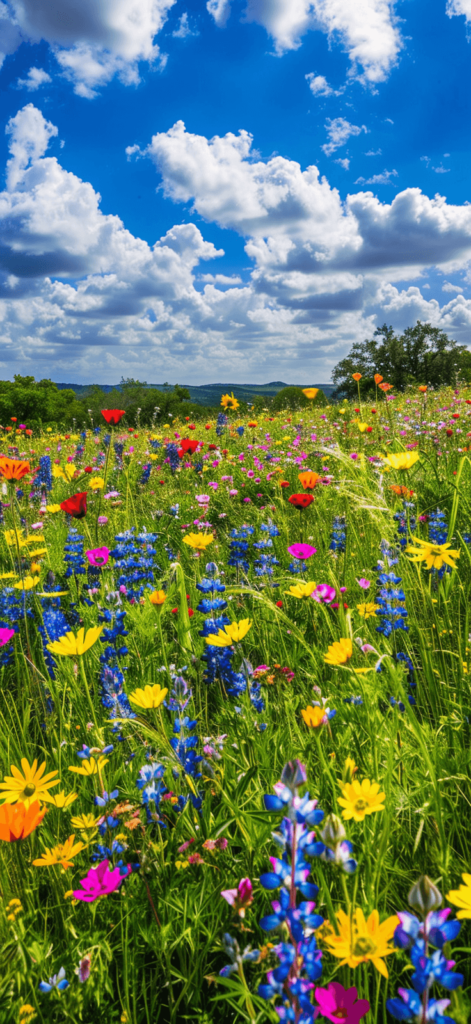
{"points": [[279, 604], [88, 469], [187, 447], [192, 426], [284, 483], [13, 419], [449, 433], [112, 416], [76, 506], [213, 447], [300, 500]]}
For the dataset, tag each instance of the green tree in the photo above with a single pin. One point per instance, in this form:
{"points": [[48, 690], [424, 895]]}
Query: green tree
{"points": [[421, 355], [293, 398]]}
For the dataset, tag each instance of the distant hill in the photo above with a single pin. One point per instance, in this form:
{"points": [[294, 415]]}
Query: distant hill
{"points": [[209, 394]]}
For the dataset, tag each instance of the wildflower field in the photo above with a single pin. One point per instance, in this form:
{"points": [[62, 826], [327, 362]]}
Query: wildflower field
{"points": [[235, 711]]}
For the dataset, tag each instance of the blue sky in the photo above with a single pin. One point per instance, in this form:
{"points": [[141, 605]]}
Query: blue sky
{"points": [[268, 173]]}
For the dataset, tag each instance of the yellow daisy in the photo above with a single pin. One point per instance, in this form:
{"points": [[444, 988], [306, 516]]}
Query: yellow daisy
{"points": [[70, 645], [339, 652], [462, 898], [30, 786], [89, 766], [149, 697], [402, 460], [434, 555], [62, 854], [231, 634], [63, 799], [360, 799], [360, 940], [85, 821], [301, 590], [198, 541]]}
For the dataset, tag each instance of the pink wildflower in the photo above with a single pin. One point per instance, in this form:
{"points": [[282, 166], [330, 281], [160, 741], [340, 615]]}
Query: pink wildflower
{"points": [[239, 898], [337, 1003], [98, 556], [6, 635], [301, 551], [100, 882]]}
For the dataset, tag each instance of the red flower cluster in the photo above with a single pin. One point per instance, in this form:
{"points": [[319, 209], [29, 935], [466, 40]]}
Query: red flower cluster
{"points": [[187, 447], [112, 416], [76, 506], [300, 500]]}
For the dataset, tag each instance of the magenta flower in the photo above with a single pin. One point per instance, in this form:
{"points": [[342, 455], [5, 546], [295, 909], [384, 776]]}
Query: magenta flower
{"points": [[337, 1003], [98, 556], [102, 520], [301, 551], [100, 882], [323, 594], [6, 635], [239, 898], [364, 584]]}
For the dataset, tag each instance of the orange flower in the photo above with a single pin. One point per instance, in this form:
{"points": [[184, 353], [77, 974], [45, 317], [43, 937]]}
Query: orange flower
{"points": [[422, 388], [402, 492], [377, 378], [18, 821], [385, 387], [13, 469], [308, 479], [356, 376], [253, 423]]}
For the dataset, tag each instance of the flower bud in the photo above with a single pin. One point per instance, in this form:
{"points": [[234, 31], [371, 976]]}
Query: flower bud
{"points": [[293, 775], [333, 832], [424, 896]]}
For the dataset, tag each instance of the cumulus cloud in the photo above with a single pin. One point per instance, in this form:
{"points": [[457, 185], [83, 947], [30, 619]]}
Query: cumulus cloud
{"points": [[378, 179], [338, 132], [91, 41], [35, 77], [448, 287], [78, 289], [367, 29], [456, 7]]}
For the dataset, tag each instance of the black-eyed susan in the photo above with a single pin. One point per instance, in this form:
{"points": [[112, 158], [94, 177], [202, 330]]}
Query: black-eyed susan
{"points": [[29, 785], [361, 798]]}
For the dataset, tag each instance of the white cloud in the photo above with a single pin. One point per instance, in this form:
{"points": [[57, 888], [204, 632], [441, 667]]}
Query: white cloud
{"points": [[441, 170], [319, 85], [338, 131], [447, 287], [92, 41], [35, 77], [457, 7], [220, 11], [378, 179], [184, 30], [345, 162], [374, 152], [367, 29], [77, 289]]}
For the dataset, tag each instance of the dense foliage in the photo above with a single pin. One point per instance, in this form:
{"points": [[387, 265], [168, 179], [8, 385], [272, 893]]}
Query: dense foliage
{"points": [[235, 711], [421, 355]]}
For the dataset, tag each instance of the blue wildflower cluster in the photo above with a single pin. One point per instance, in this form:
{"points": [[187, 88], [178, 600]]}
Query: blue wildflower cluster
{"points": [[263, 565], [73, 554], [113, 694], [437, 527], [134, 559], [406, 522], [239, 547], [172, 456], [338, 535], [43, 478], [221, 423], [300, 960], [424, 939], [118, 450], [390, 598], [53, 626], [146, 470]]}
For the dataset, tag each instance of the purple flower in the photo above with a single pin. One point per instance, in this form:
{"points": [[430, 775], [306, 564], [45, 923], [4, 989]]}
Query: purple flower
{"points": [[364, 584], [239, 898], [302, 551], [100, 882], [323, 594]]}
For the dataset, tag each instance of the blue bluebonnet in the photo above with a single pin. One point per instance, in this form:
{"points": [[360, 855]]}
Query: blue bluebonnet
{"points": [[155, 444], [406, 523], [333, 846], [146, 470], [300, 961], [221, 423], [338, 535], [270, 528], [58, 981], [113, 694], [43, 478], [73, 554], [390, 597], [53, 626], [183, 742], [437, 527], [133, 556], [171, 454], [424, 940], [118, 450], [106, 798], [240, 431]]}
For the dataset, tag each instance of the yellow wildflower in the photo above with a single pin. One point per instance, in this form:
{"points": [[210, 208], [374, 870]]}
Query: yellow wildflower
{"points": [[360, 940], [64, 472], [231, 634], [301, 590], [27, 584], [462, 898], [70, 645], [30, 786], [63, 800], [310, 392], [62, 854], [53, 508], [360, 799], [229, 402], [367, 610], [85, 821], [149, 697], [198, 541], [339, 652], [89, 766], [434, 555], [402, 460], [158, 597], [97, 483], [314, 716]]}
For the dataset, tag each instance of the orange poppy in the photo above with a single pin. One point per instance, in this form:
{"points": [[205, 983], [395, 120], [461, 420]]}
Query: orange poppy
{"points": [[401, 491], [385, 387], [377, 378], [422, 388], [308, 479], [17, 821], [356, 376], [13, 469]]}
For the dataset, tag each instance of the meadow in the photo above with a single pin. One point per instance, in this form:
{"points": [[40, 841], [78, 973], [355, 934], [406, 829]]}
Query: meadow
{"points": [[235, 665]]}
